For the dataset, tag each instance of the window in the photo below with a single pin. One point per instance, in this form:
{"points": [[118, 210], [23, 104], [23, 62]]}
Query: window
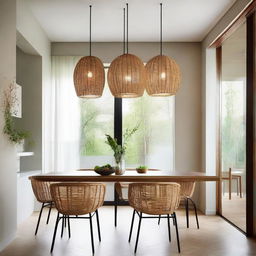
{"points": [[151, 145]]}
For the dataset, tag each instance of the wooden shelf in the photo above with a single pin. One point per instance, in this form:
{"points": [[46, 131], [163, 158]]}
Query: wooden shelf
{"points": [[25, 154]]}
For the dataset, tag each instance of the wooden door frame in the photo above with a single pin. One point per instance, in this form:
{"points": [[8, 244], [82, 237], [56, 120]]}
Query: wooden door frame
{"points": [[249, 18]]}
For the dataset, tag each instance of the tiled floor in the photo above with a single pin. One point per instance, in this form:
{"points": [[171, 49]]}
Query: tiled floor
{"points": [[214, 238]]}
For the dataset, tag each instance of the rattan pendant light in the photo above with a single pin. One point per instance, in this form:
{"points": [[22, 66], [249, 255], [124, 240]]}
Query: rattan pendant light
{"points": [[163, 72], [127, 75], [89, 75]]}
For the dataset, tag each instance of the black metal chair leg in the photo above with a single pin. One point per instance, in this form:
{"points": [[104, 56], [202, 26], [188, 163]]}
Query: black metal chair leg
{"points": [[177, 232], [159, 219], [169, 228], [65, 221], [91, 229], [115, 213], [62, 227], [187, 212], [138, 233], [55, 231], [131, 228], [98, 225], [197, 222], [49, 213], [69, 231], [39, 218]]}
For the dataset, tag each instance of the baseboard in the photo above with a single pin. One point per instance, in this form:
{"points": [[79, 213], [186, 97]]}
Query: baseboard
{"points": [[210, 212], [6, 241]]}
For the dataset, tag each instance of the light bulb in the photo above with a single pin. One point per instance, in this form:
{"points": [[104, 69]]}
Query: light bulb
{"points": [[89, 74], [128, 78], [163, 75]]}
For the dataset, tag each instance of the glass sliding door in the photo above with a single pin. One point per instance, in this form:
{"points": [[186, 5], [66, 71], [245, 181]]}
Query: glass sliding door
{"points": [[233, 127]]}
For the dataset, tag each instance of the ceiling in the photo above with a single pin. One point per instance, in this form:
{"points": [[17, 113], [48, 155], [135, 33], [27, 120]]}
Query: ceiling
{"points": [[184, 20]]}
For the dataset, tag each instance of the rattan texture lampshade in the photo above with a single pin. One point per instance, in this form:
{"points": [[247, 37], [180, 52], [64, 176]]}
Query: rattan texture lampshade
{"points": [[89, 77], [127, 77], [164, 76]]}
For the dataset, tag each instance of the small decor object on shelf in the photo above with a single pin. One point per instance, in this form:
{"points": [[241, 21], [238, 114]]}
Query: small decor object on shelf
{"points": [[142, 169], [10, 100], [119, 150], [104, 170]]}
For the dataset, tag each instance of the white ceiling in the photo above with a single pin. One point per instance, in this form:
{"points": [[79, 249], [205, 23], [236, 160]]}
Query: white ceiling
{"points": [[184, 20]]}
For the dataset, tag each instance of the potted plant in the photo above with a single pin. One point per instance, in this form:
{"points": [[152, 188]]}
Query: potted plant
{"points": [[119, 150], [142, 169], [15, 136]]}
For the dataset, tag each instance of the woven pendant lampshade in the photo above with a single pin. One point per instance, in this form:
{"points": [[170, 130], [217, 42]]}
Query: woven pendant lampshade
{"points": [[89, 74], [89, 77], [127, 77], [163, 72], [163, 76]]}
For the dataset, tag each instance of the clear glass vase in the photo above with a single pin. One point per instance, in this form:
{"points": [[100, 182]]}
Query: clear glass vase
{"points": [[120, 165]]}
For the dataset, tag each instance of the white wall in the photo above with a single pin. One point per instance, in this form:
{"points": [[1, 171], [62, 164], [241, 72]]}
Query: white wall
{"points": [[29, 76], [8, 183], [30, 29]]}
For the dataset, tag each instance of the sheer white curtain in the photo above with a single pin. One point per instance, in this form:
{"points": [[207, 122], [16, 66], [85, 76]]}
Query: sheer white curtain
{"points": [[66, 117]]}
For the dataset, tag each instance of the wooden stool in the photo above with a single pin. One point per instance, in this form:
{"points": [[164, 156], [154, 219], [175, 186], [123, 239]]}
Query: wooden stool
{"points": [[233, 175]]}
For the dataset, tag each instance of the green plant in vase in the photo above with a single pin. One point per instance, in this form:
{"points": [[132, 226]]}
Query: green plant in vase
{"points": [[119, 150]]}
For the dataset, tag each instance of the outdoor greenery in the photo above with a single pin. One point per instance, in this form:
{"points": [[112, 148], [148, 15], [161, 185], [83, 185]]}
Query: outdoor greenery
{"points": [[154, 115], [233, 127]]}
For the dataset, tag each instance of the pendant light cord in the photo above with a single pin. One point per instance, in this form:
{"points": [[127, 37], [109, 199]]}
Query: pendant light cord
{"points": [[161, 29], [90, 45], [127, 28], [124, 34]]}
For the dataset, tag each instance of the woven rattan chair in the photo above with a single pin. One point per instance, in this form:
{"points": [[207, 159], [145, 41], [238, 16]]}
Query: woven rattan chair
{"points": [[42, 193], [75, 199], [120, 199], [186, 192], [154, 199]]}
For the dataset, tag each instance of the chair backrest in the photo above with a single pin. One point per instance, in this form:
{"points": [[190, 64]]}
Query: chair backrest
{"points": [[187, 188], [41, 190], [78, 198], [154, 198]]}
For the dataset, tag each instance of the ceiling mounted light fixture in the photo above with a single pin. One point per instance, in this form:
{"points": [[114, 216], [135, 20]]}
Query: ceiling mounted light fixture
{"points": [[163, 72], [127, 75], [89, 75]]}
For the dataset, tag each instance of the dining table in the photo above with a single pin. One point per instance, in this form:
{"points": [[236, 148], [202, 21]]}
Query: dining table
{"points": [[131, 175]]}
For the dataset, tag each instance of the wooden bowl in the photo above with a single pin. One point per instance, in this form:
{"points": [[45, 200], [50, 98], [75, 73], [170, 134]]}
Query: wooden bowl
{"points": [[104, 171], [141, 170]]}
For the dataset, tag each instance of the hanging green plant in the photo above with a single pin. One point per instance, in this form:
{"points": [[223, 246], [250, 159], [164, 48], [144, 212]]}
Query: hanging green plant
{"points": [[15, 136]]}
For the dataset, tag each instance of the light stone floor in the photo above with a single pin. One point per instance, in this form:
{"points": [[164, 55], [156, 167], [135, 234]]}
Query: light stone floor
{"points": [[214, 238]]}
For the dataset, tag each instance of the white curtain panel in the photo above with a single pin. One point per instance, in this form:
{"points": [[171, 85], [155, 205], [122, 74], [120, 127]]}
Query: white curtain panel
{"points": [[66, 116]]}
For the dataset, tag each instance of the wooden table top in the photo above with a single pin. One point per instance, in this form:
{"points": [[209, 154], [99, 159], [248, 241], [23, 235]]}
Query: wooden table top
{"points": [[85, 175]]}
